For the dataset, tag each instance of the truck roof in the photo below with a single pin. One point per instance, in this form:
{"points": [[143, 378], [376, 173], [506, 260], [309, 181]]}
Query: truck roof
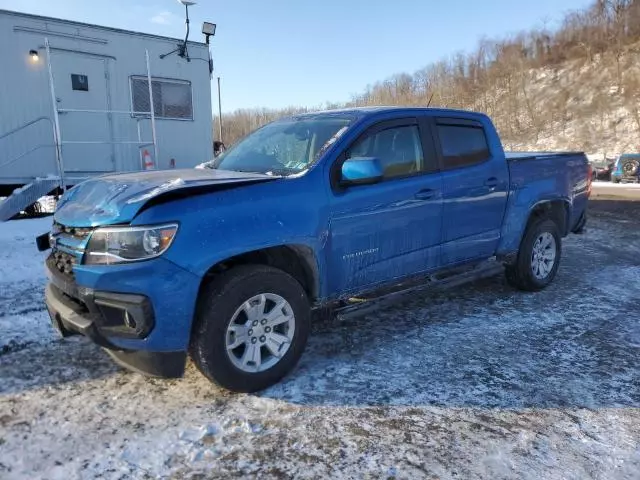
{"points": [[371, 110]]}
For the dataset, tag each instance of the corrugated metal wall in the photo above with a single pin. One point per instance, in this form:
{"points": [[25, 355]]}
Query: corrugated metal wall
{"points": [[25, 96]]}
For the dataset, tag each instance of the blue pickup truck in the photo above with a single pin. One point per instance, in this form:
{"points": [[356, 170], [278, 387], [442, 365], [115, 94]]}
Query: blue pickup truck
{"points": [[326, 210]]}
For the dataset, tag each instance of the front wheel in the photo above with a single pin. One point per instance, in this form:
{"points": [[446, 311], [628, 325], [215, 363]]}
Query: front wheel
{"points": [[251, 327], [539, 257]]}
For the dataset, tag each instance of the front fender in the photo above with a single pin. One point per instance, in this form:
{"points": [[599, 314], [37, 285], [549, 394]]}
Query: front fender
{"points": [[219, 226]]}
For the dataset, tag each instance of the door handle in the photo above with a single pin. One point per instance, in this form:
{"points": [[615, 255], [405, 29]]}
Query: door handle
{"points": [[426, 194], [492, 183]]}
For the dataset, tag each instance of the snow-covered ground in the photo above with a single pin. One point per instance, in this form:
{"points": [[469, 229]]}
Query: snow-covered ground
{"points": [[602, 184], [22, 318], [628, 191], [480, 382]]}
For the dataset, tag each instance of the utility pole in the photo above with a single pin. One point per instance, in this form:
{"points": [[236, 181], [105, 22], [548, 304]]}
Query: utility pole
{"points": [[219, 112]]}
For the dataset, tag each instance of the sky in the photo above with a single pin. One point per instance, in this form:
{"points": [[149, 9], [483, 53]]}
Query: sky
{"points": [[278, 53]]}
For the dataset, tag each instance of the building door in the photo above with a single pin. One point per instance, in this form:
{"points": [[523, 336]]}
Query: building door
{"points": [[82, 82]]}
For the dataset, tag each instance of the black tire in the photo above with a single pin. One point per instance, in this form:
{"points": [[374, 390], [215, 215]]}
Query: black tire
{"points": [[616, 180], [630, 167], [521, 275], [219, 300]]}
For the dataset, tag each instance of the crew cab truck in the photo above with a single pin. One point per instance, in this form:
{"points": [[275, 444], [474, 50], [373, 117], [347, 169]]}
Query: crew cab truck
{"points": [[226, 263]]}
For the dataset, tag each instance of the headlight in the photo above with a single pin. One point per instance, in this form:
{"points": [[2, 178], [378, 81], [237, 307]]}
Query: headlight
{"points": [[111, 245]]}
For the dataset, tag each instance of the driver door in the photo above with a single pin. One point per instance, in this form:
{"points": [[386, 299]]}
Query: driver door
{"points": [[390, 230]]}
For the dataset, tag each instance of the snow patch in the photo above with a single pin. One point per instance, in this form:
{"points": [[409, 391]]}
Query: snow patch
{"points": [[617, 281], [479, 382], [20, 259], [630, 186], [25, 329]]}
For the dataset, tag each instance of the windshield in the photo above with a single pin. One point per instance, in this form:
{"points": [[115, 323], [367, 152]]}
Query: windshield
{"points": [[284, 147]]}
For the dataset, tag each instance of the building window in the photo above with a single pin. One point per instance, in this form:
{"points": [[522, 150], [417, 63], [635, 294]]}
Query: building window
{"points": [[171, 98]]}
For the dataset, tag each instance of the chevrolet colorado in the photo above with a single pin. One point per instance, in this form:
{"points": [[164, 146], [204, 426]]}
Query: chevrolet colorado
{"points": [[324, 210]]}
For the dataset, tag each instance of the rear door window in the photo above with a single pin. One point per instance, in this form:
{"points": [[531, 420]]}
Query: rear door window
{"points": [[462, 145]]}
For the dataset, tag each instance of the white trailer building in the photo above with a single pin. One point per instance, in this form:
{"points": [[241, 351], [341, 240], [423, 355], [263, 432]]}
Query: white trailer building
{"points": [[104, 116]]}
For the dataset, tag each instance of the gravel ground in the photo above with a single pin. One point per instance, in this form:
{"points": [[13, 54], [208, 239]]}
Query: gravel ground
{"points": [[480, 382]]}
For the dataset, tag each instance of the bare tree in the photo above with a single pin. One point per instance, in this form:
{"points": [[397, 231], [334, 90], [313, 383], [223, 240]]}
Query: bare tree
{"points": [[501, 77]]}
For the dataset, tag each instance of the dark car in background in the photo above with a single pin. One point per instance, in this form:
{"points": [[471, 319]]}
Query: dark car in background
{"points": [[627, 168], [602, 169]]}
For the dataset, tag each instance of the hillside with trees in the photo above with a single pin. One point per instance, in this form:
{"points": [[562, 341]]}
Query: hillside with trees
{"points": [[577, 87]]}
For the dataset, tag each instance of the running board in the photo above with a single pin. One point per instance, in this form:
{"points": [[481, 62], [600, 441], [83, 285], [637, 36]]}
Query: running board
{"points": [[361, 305]]}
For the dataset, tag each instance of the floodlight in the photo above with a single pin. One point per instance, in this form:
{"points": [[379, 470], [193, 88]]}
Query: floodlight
{"points": [[209, 29]]}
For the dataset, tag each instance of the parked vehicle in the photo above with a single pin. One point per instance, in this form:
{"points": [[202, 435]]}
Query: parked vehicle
{"points": [[602, 169], [627, 168], [324, 210]]}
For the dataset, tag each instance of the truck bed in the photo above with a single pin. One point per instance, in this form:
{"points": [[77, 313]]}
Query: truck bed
{"points": [[517, 156], [553, 175]]}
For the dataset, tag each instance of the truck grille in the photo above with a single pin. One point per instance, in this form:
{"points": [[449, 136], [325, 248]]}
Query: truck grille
{"points": [[67, 249], [62, 262]]}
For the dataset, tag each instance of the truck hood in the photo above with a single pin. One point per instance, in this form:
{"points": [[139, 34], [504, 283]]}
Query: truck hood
{"points": [[117, 198]]}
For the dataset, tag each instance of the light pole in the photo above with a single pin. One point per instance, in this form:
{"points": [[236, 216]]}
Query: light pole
{"points": [[187, 4], [219, 112], [182, 47], [208, 30]]}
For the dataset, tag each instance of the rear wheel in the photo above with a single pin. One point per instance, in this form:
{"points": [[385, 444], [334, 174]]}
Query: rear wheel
{"points": [[538, 258], [251, 327]]}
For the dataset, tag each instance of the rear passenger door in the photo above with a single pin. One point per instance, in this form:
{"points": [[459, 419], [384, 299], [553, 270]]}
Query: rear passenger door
{"points": [[475, 186], [391, 229]]}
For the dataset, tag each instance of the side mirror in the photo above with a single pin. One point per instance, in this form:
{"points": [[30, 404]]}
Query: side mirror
{"points": [[361, 171]]}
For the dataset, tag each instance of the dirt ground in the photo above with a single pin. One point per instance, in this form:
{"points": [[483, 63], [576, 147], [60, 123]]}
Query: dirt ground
{"points": [[477, 382], [609, 208]]}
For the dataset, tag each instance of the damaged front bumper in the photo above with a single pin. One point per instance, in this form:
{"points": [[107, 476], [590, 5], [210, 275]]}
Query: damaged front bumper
{"points": [[140, 313], [71, 316]]}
